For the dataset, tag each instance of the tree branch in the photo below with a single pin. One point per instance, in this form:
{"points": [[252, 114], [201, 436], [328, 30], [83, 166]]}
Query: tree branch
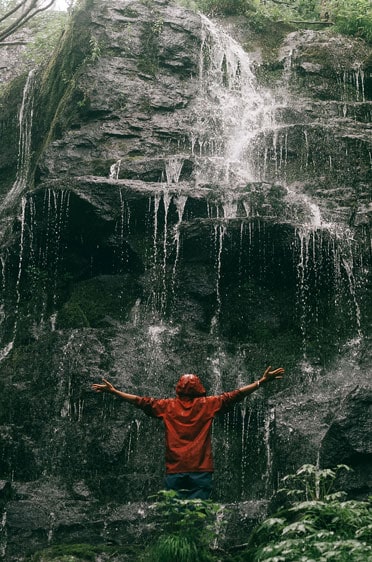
{"points": [[329, 23], [30, 12], [13, 10], [13, 43], [283, 3]]}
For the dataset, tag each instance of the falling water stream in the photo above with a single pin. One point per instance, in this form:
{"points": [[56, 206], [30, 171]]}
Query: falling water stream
{"points": [[19, 186], [231, 112]]}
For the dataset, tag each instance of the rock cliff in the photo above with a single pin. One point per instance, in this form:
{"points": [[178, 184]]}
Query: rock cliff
{"points": [[172, 202]]}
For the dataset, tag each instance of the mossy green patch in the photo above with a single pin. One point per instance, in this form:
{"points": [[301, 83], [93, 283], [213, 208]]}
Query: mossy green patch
{"points": [[56, 106], [84, 553], [266, 37], [149, 59], [95, 300]]}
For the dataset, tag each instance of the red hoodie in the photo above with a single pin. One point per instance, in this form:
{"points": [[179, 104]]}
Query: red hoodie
{"points": [[188, 419]]}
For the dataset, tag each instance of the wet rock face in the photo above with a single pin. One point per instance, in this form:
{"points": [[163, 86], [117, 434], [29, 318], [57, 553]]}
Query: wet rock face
{"points": [[327, 125], [347, 439], [133, 96], [218, 245]]}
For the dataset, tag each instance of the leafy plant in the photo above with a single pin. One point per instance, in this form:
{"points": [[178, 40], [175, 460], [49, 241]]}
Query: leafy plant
{"points": [[95, 49], [324, 527], [225, 7], [187, 527], [175, 547], [311, 482], [352, 17], [48, 27]]}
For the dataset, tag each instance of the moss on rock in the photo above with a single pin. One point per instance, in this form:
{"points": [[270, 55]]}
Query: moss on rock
{"points": [[84, 553], [96, 300]]}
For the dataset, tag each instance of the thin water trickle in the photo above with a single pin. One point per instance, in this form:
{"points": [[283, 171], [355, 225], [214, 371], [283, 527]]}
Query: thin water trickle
{"points": [[9, 346], [3, 535], [24, 144], [22, 175], [230, 209], [135, 312], [180, 203], [163, 297], [155, 232], [219, 234], [348, 268], [123, 227], [115, 170], [268, 424], [173, 168], [331, 247]]}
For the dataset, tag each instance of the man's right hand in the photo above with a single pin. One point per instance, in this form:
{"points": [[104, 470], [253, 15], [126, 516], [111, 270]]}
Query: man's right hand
{"points": [[105, 387]]}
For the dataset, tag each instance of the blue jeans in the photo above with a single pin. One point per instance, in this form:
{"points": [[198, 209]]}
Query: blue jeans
{"points": [[190, 485]]}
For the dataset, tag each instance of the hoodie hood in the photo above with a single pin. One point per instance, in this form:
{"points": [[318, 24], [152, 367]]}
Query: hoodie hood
{"points": [[191, 386]]}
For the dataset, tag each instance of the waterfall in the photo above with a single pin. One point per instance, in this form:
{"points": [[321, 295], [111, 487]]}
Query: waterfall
{"points": [[232, 110], [36, 254]]}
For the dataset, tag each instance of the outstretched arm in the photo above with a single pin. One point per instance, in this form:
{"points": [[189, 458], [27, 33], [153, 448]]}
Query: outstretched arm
{"points": [[266, 377], [108, 387]]}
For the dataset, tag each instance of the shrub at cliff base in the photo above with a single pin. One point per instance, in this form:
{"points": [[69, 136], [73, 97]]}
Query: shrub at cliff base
{"points": [[187, 529], [321, 526]]}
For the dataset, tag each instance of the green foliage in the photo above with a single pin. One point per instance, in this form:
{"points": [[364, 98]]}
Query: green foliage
{"points": [[95, 49], [151, 31], [311, 482], [272, 9], [352, 17], [95, 299], [225, 7], [188, 526], [191, 4], [49, 26], [323, 528], [175, 547], [72, 316], [307, 9]]}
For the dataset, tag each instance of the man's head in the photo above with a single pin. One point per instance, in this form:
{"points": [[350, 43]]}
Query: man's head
{"points": [[190, 386]]}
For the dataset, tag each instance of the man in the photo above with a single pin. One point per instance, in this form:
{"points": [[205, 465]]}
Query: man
{"points": [[188, 419]]}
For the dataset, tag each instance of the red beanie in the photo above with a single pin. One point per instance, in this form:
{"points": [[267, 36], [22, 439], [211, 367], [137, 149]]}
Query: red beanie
{"points": [[190, 385]]}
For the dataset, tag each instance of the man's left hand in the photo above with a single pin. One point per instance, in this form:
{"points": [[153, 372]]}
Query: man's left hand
{"points": [[271, 375]]}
